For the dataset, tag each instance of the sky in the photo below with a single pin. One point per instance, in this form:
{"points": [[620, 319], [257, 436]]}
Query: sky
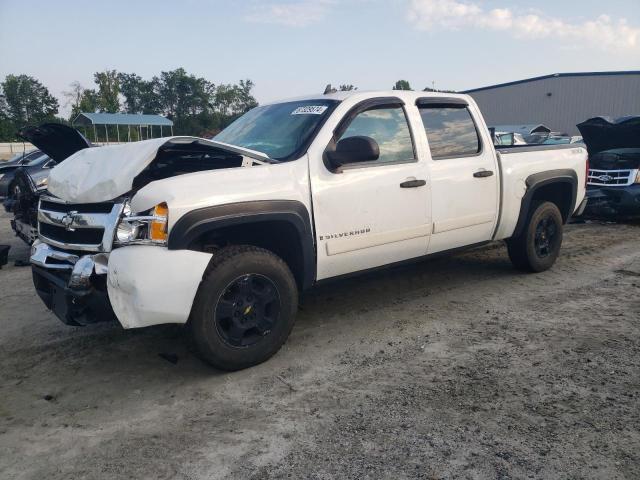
{"points": [[291, 48]]}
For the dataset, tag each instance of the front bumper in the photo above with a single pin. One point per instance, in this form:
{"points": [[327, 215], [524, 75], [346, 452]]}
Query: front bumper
{"points": [[74, 306], [137, 285], [614, 201]]}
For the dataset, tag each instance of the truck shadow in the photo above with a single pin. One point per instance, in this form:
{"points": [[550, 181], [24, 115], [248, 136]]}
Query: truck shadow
{"points": [[159, 356], [376, 289]]}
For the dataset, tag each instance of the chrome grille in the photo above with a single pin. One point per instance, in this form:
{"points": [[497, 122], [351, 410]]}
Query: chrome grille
{"points": [[84, 227], [611, 177]]}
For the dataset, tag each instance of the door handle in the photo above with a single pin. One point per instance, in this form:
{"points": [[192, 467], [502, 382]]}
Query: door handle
{"points": [[413, 183], [483, 173]]}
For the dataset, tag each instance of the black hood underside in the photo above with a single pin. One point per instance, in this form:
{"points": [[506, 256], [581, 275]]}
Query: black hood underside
{"points": [[56, 140], [602, 133]]}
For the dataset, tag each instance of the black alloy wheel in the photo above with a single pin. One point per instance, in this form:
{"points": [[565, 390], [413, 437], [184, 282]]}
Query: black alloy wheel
{"points": [[545, 236], [247, 310], [537, 247]]}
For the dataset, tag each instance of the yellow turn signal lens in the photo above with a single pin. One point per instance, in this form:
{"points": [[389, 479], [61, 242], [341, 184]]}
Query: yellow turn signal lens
{"points": [[158, 227]]}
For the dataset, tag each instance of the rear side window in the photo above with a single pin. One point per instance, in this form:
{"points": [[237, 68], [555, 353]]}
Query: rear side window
{"points": [[388, 127], [451, 132]]}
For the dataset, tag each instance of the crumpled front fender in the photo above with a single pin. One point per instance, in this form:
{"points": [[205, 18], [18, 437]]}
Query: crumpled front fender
{"points": [[150, 285]]}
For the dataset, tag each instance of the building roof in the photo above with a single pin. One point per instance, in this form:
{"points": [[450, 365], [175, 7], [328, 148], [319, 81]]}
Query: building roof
{"points": [[121, 119], [555, 75]]}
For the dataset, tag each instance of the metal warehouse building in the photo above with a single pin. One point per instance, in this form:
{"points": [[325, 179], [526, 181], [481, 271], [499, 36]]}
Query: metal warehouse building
{"points": [[562, 100]]}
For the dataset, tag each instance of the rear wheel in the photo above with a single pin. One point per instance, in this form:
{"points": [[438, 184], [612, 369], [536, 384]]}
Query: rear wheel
{"points": [[244, 309], [538, 246]]}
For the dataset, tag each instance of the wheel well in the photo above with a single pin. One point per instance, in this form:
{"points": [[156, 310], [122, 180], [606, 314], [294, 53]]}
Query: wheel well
{"points": [[560, 193], [277, 236]]}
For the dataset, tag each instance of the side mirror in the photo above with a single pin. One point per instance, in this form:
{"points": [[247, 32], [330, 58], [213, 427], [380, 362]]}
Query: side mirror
{"points": [[353, 150], [50, 164]]}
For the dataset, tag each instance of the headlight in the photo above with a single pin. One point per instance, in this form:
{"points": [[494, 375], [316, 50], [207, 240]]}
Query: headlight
{"points": [[127, 232], [1, 175], [637, 180], [42, 183], [148, 228]]}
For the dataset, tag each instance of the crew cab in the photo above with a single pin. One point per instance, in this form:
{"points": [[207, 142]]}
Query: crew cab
{"points": [[223, 234]]}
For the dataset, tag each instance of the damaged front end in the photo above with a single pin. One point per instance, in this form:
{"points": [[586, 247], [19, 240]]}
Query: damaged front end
{"points": [[98, 256], [72, 286], [613, 183]]}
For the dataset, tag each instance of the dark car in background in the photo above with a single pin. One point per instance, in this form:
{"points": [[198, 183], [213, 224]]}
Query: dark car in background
{"points": [[614, 174], [9, 167], [20, 158], [37, 167]]}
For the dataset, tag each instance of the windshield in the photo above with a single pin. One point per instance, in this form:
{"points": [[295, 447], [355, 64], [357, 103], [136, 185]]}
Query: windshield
{"points": [[279, 130]]}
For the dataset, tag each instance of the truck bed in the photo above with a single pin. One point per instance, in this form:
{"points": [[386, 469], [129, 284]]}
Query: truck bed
{"points": [[519, 163]]}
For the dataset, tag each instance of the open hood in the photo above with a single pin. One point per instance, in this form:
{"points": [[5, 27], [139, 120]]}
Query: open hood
{"points": [[56, 140], [103, 173], [603, 133]]}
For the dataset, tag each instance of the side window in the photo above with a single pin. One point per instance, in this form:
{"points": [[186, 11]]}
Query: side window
{"points": [[451, 132], [388, 127]]}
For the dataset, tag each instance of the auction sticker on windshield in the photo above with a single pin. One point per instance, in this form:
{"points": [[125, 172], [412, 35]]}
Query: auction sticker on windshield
{"points": [[310, 110]]}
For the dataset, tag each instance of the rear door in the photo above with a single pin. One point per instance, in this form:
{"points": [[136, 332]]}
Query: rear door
{"points": [[372, 213], [464, 174]]}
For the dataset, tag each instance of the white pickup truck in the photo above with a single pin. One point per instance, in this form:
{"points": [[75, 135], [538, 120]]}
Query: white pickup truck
{"points": [[223, 234]]}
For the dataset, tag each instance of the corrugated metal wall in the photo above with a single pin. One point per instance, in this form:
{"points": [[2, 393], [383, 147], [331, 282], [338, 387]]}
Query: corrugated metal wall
{"points": [[573, 99]]}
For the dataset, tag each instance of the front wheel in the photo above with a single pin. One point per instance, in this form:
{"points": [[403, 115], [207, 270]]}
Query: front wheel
{"points": [[538, 246], [244, 309]]}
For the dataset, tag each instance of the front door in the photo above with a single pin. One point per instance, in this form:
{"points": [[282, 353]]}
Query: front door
{"points": [[373, 213]]}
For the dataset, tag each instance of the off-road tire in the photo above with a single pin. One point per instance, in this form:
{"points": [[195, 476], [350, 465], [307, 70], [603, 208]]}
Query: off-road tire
{"points": [[523, 250], [226, 267]]}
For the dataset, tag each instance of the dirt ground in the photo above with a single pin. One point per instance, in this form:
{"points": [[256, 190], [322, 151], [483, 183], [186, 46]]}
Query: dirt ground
{"points": [[459, 367]]}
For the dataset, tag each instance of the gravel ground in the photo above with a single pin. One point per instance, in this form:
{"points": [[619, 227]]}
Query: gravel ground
{"points": [[452, 368]]}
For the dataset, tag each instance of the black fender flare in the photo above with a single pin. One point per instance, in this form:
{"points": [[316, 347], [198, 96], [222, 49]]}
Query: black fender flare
{"points": [[535, 182], [203, 220]]}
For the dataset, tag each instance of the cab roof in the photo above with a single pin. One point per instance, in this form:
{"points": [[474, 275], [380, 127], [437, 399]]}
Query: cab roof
{"points": [[408, 96]]}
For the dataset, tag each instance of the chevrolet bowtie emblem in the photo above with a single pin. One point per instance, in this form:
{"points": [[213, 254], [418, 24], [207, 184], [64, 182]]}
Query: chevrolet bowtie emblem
{"points": [[68, 221]]}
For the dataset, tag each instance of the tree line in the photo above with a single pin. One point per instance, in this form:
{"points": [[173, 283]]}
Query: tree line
{"points": [[194, 104]]}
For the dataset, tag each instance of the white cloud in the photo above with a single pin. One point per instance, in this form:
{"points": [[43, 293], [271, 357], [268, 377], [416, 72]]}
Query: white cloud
{"points": [[291, 14], [602, 32]]}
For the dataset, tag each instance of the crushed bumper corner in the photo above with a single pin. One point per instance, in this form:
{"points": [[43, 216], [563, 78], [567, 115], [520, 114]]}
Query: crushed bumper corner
{"points": [[614, 201], [77, 307]]}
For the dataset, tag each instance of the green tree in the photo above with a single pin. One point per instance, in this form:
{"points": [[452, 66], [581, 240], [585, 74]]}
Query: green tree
{"points": [[26, 101], [182, 94], [140, 96], [80, 99], [402, 85], [89, 101], [108, 90], [347, 88], [234, 100]]}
